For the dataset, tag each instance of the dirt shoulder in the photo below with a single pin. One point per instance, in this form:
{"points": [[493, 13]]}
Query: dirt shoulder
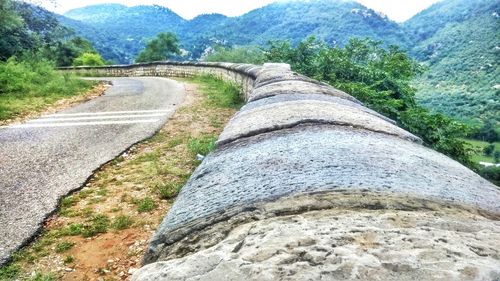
{"points": [[101, 232]]}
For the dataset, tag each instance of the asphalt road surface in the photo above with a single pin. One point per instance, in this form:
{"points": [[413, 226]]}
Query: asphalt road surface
{"points": [[44, 159]]}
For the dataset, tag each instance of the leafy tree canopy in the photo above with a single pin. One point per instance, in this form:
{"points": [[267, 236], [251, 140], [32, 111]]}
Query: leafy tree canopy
{"points": [[89, 59], [160, 48]]}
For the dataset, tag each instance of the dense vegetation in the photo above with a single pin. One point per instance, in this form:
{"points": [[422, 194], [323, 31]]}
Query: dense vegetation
{"points": [[161, 48], [131, 27], [461, 51], [32, 43]]}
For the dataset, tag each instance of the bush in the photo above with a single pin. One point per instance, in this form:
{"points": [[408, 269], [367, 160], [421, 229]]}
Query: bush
{"points": [[488, 150], [88, 59], [27, 86], [491, 173], [249, 54]]}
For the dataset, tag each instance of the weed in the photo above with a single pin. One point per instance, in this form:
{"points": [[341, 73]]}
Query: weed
{"points": [[97, 224], [43, 277], [64, 246], [146, 205], [174, 142], [102, 192], [122, 222], [202, 145], [9, 272], [169, 190], [69, 201], [68, 259], [72, 230]]}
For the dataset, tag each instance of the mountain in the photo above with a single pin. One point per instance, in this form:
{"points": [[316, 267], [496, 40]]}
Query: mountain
{"points": [[333, 21], [459, 42]]}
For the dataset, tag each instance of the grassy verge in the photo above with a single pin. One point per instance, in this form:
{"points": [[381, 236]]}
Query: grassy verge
{"points": [[102, 231], [31, 87], [479, 147]]}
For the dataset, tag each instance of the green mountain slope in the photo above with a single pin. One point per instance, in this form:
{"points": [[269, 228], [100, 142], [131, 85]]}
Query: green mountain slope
{"points": [[334, 21], [459, 41]]}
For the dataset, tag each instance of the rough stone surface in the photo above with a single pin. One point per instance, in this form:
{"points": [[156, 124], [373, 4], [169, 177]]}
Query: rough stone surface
{"points": [[297, 87], [322, 158], [287, 114], [315, 97], [346, 244]]}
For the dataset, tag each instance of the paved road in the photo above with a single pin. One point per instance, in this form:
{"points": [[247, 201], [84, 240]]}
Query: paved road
{"points": [[44, 159]]}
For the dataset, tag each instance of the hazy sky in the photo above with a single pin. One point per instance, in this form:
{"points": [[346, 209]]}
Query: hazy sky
{"points": [[398, 10]]}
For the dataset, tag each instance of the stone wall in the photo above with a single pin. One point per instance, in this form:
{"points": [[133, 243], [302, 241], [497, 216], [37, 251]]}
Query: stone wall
{"points": [[308, 184]]}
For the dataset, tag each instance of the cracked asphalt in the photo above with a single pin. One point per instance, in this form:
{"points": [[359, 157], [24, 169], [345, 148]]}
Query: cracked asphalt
{"points": [[44, 159]]}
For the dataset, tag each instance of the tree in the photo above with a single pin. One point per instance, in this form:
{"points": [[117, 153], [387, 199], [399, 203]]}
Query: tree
{"points": [[247, 54], [88, 59], [160, 48], [496, 156], [488, 150], [11, 30], [487, 132]]}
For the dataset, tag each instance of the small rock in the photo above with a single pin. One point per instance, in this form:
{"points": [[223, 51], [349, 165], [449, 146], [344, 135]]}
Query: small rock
{"points": [[200, 157], [68, 269], [132, 270]]}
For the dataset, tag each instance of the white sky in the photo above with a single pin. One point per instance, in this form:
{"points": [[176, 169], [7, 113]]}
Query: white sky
{"points": [[398, 10]]}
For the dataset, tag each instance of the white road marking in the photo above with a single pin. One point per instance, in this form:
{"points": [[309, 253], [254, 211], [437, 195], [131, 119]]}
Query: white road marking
{"points": [[44, 120], [73, 124], [107, 113]]}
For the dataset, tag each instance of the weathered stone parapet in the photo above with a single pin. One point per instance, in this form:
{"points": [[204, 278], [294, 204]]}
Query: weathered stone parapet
{"points": [[302, 160]]}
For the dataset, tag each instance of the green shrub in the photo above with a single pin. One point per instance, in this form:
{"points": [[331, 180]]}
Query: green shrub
{"points": [[30, 86], [88, 59], [64, 246], [146, 205], [122, 222]]}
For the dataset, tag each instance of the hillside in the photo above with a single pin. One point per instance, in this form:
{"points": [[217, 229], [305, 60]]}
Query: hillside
{"points": [[333, 21], [461, 50]]}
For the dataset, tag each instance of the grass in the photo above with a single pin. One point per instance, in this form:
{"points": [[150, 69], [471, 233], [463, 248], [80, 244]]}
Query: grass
{"points": [[10, 272], [479, 146], [169, 190], [122, 222], [27, 87], [219, 93], [97, 224], [64, 246], [145, 205], [202, 145]]}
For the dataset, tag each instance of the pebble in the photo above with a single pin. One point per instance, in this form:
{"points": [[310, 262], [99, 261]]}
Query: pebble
{"points": [[132, 270]]}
